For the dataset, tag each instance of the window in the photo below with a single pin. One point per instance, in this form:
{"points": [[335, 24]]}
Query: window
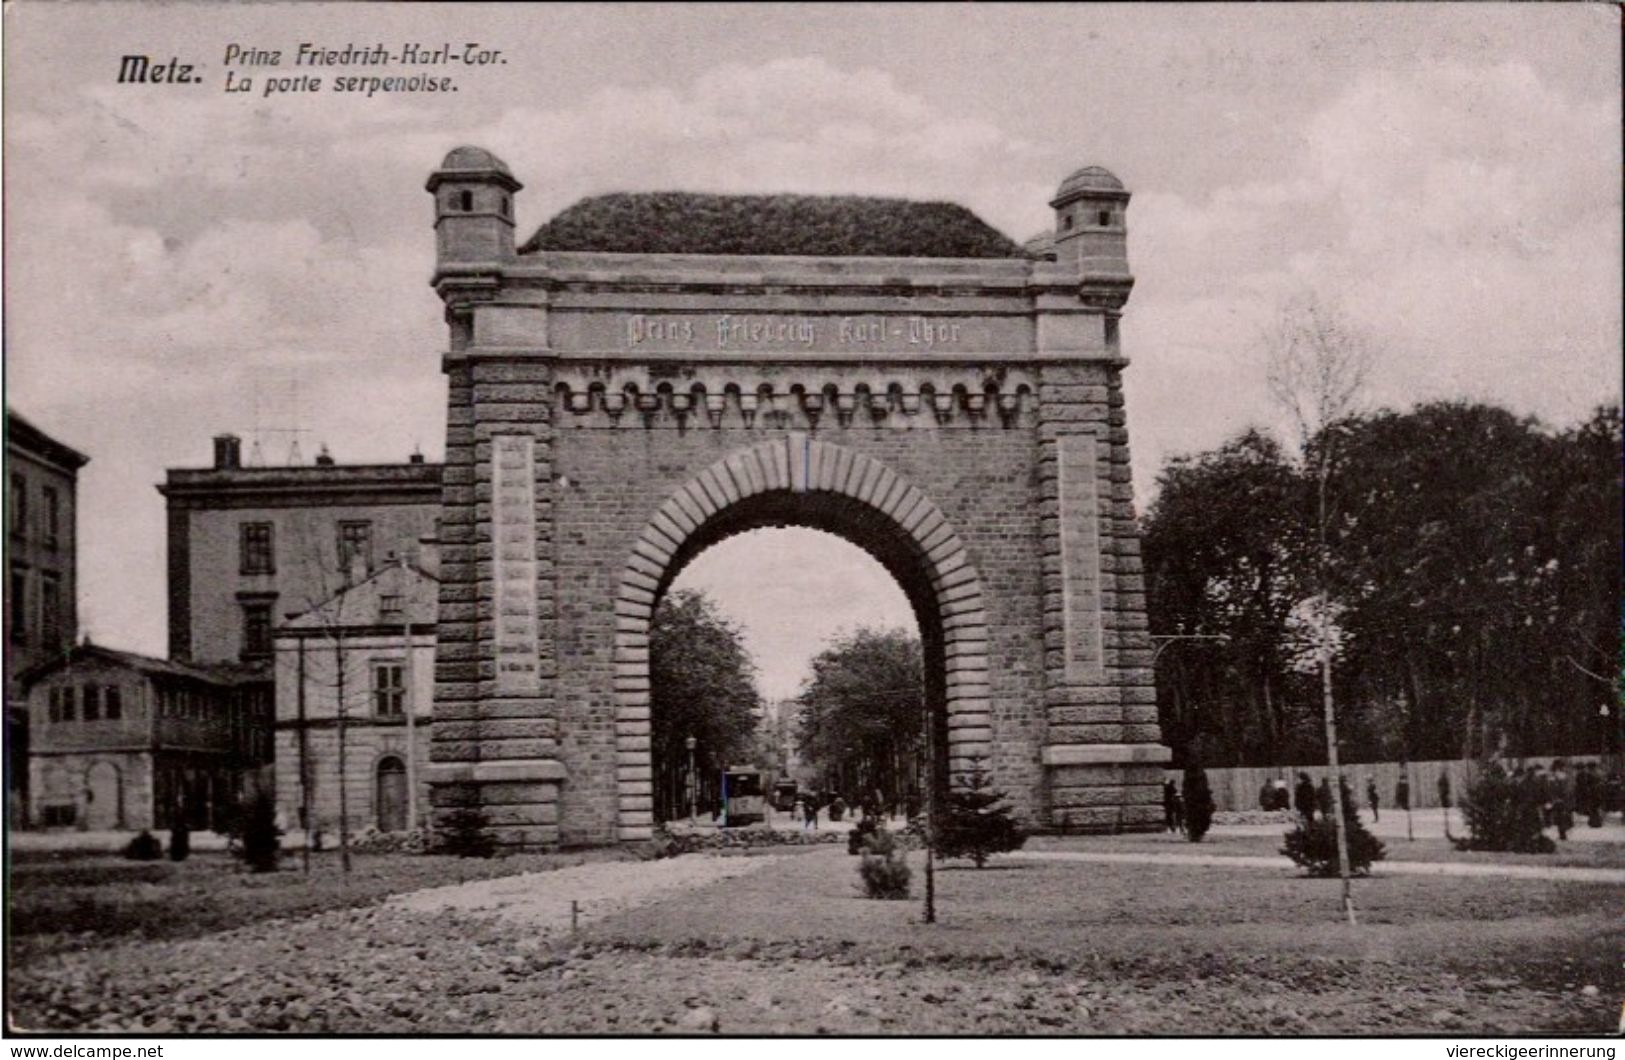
{"points": [[53, 516], [355, 546], [1105, 218], [1066, 222], [19, 603], [50, 607], [60, 816], [388, 690], [389, 608], [112, 703], [465, 201], [258, 555], [19, 505], [256, 629], [68, 711], [505, 206], [92, 701], [53, 709]]}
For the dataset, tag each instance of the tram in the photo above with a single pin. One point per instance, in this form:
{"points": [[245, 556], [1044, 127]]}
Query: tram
{"points": [[743, 801]]}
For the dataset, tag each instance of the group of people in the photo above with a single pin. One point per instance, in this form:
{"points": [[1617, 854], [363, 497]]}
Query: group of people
{"points": [[1558, 794]]}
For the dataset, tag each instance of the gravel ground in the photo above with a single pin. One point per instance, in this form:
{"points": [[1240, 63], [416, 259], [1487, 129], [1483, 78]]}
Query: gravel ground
{"points": [[782, 944]]}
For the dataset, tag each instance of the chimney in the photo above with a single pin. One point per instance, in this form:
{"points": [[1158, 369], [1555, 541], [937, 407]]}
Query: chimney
{"points": [[324, 458], [415, 458], [228, 452]]}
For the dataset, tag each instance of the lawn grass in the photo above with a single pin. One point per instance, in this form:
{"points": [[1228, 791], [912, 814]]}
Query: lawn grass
{"points": [[56, 899], [1151, 920], [1568, 855]]}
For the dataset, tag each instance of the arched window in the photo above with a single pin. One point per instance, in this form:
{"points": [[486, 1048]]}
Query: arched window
{"points": [[465, 201]]}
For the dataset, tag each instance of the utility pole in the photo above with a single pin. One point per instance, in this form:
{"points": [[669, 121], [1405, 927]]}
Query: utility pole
{"points": [[304, 760], [408, 704], [344, 801], [930, 818]]}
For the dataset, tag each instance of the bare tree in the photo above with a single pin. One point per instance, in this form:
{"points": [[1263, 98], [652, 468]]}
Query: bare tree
{"points": [[325, 604], [1317, 369]]}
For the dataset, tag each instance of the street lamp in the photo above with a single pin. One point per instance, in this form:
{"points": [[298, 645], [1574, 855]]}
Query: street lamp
{"points": [[690, 744]]}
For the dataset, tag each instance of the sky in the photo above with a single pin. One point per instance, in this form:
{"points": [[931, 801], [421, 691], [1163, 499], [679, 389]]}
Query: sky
{"points": [[180, 261]]}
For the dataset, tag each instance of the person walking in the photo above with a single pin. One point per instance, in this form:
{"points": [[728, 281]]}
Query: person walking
{"points": [[1562, 787], [1444, 800], [1586, 793], [1402, 797], [1303, 798], [810, 822], [1170, 799], [1323, 796], [1371, 798]]}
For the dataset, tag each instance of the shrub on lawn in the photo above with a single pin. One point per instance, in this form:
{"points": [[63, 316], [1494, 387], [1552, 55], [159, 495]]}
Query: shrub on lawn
{"points": [[1315, 847], [1503, 812], [144, 847], [180, 842], [1198, 803], [462, 833], [261, 838], [975, 824], [884, 872]]}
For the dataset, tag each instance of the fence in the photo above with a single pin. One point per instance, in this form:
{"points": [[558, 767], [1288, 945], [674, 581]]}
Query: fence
{"points": [[1237, 788]]}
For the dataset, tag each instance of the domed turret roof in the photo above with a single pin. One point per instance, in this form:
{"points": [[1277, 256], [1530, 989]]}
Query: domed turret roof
{"points": [[1090, 180], [474, 158]]}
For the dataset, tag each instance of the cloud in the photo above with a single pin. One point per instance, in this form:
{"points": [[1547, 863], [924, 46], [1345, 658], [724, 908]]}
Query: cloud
{"points": [[1466, 216]]}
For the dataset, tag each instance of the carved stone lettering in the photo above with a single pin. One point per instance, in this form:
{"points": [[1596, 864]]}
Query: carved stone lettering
{"points": [[1080, 557], [514, 511]]}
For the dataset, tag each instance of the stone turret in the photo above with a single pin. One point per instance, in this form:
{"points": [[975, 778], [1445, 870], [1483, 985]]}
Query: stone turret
{"points": [[473, 208], [1092, 235], [1089, 224]]}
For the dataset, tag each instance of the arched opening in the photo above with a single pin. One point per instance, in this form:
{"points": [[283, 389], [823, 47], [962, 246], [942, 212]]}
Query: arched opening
{"points": [[391, 794], [796, 481], [799, 598], [104, 797]]}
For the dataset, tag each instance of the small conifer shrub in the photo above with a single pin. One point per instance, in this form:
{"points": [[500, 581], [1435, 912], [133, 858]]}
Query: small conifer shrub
{"points": [[1314, 847], [976, 823]]}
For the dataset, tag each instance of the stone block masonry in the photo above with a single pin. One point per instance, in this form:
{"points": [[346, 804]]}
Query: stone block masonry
{"points": [[612, 415]]}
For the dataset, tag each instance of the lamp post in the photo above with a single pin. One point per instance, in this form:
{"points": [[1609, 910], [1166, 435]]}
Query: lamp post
{"points": [[689, 743]]}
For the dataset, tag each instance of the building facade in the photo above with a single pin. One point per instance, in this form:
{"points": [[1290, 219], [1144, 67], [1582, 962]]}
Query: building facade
{"points": [[650, 375], [354, 703], [126, 741], [41, 591], [249, 546]]}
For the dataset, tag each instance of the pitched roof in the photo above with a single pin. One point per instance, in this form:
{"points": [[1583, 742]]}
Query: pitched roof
{"points": [[216, 674], [361, 604], [803, 225]]}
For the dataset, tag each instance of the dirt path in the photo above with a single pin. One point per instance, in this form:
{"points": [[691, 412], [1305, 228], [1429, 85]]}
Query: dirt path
{"points": [[1555, 873]]}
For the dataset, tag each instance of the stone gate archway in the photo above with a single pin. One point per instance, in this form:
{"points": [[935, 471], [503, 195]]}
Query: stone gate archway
{"points": [[636, 384], [796, 480]]}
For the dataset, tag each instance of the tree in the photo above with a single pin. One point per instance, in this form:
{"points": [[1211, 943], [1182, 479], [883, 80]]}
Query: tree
{"points": [[976, 824], [703, 685], [1198, 803], [862, 710], [1316, 846], [1224, 547], [1316, 372]]}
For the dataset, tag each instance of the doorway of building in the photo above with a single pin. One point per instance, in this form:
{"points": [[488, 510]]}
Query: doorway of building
{"points": [[391, 795]]}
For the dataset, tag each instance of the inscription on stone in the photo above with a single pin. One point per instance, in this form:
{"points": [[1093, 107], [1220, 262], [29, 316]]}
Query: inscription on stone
{"points": [[513, 516], [722, 334], [1076, 455]]}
